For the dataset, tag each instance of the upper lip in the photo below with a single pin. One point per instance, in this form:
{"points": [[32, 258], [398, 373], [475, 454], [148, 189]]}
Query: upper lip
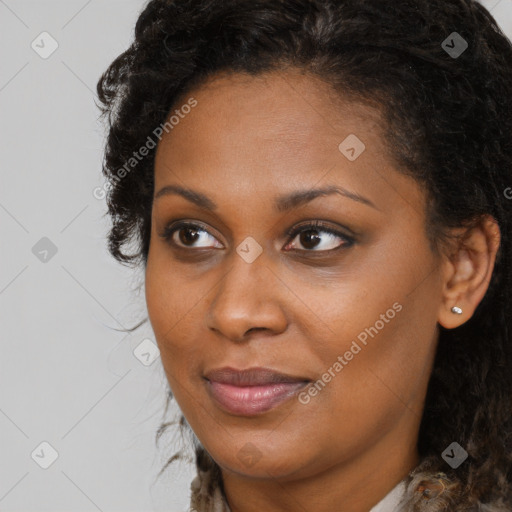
{"points": [[255, 376]]}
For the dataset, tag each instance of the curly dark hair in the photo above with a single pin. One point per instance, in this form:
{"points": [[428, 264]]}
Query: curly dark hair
{"points": [[448, 122]]}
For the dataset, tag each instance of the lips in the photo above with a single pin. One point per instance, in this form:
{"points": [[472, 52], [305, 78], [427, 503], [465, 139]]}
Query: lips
{"points": [[256, 376], [252, 391]]}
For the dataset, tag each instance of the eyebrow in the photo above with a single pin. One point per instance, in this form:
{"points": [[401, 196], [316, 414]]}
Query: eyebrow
{"points": [[283, 203]]}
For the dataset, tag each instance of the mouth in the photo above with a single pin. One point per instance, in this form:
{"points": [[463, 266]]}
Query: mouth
{"points": [[253, 391]]}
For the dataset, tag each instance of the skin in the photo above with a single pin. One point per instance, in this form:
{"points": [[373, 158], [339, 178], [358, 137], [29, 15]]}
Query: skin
{"points": [[248, 141]]}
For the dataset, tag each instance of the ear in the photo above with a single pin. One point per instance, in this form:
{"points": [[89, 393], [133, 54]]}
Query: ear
{"points": [[467, 271]]}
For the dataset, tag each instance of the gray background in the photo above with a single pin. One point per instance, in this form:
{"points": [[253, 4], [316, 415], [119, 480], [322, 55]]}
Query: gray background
{"points": [[67, 377]]}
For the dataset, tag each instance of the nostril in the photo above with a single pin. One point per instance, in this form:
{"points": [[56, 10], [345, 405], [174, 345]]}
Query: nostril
{"points": [[255, 329]]}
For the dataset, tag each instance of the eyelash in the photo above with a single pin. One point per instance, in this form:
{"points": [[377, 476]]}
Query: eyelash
{"points": [[291, 234]]}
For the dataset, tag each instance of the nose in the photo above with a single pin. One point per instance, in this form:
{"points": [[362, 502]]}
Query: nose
{"points": [[249, 298]]}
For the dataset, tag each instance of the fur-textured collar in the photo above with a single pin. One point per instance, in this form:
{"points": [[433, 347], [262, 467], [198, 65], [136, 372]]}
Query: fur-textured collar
{"points": [[425, 491]]}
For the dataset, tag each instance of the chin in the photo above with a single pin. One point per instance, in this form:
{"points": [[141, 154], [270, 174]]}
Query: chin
{"points": [[251, 461]]}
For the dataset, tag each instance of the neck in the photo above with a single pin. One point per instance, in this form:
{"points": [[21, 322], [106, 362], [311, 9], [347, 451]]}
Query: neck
{"points": [[352, 486]]}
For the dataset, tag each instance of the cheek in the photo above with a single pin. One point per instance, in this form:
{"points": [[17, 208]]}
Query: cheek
{"points": [[168, 293], [169, 306], [176, 304], [367, 359], [372, 342], [378, 384]]}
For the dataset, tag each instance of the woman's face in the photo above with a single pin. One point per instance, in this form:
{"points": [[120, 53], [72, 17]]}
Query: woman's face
{"points": [[350, 306]]}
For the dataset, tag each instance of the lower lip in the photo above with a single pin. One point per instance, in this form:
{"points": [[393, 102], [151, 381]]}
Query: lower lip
{"points": [[252, 400]]}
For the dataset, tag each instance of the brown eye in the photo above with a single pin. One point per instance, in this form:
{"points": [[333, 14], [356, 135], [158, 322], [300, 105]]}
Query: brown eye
{"points": [[310, 238], [315, 237], [189, 235]]}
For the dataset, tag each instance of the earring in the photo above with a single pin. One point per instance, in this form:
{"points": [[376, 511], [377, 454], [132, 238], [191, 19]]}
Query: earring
{"points": [[457, 310]]}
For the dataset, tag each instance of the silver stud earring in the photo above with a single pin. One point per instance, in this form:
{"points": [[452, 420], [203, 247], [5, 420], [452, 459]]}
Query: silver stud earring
{"points": [[457, 310]]}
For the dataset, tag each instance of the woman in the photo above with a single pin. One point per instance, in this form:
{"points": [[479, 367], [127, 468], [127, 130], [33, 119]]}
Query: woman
{"points": [[319, 192]]}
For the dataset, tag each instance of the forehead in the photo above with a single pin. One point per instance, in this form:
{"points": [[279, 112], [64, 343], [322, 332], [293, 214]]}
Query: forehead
{"points": [[289, 113], [283, 107], [249, 135]]}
